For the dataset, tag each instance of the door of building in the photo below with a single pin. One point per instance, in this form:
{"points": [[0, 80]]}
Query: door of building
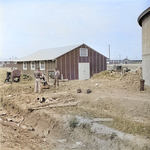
{"points": [[84, 71]]}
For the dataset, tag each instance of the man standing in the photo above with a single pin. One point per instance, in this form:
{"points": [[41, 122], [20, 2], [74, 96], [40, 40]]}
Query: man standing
{"points": [[56, 77], [37, 75]]}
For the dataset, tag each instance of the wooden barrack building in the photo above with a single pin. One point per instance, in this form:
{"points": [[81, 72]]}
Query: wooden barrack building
{"points": [[73, 62]]}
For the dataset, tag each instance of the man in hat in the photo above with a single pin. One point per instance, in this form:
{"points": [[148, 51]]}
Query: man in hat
{"points": [[37, 75], [56, 77]]}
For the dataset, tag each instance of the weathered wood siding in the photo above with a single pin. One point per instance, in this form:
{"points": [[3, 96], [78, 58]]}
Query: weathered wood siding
{"points": [[68, 63], [49, 65]]}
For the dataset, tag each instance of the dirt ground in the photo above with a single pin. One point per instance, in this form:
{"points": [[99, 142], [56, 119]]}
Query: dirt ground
{"points": [[115, 115]]}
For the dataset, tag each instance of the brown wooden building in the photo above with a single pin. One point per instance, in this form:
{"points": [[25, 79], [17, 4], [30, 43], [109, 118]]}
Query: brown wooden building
{"points": [[73, 62]]}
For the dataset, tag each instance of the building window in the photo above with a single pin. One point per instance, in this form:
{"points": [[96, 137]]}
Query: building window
{"points": [[8, 62], [42, 65], [33, 65], [83, 52], [24, 65]]}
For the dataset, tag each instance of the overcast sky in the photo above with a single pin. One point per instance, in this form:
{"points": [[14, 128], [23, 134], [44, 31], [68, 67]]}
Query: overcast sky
{"points": [[27, 26]]}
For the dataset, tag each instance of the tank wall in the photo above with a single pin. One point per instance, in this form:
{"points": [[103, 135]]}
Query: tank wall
{"points": [[146, 49]]}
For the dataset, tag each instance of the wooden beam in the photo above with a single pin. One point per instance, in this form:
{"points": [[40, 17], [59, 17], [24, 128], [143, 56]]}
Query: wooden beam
{"points": [[54, 106]]}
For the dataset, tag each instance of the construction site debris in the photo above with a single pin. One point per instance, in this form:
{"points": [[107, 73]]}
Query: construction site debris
{"points": [[9, 119], [8, 96], [44, 140], [79, 91], [96, 84], [42, 100], [16, 79], [6, 123], [78, 145], [88, 91], [69, 100], [41, 105], [62, 141], [3, 113], [142, 85], [47, 101], [54, 106], [24, 76]]}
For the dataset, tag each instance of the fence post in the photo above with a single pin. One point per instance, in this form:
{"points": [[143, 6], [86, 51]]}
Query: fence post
{"points": [[142, 85]]}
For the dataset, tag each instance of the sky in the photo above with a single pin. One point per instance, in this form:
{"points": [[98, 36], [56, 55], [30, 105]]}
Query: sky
{"points": [[27, 26]]}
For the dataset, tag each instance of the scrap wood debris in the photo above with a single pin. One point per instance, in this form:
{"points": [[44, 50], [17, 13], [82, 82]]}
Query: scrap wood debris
{"points": [[24, 76], [49, 102], [53, 106]]}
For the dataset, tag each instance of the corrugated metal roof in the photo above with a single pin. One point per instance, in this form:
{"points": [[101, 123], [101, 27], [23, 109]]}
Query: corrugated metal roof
{"points": [[49, 54]]}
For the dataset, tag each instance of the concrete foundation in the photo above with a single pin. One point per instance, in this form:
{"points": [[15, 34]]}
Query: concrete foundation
{"points": [[144, 22]]}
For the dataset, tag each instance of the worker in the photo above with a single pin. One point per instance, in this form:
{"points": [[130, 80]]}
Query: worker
{"points": [[56, 77], [43, 78], [44, 82], [7, 79], [37, 75]]}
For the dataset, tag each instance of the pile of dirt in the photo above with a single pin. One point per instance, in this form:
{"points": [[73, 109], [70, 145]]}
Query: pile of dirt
{"points": [[127, 76], [132, 76], [106, 75], [129, 80]]}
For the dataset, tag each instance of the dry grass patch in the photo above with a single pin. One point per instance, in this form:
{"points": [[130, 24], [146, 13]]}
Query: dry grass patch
{"points": [[131, 127], [3, 75]]}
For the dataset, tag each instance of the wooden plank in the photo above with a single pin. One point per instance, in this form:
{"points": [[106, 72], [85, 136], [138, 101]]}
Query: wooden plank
{"points": [[54, 106], [55, 102], [46, 104]]}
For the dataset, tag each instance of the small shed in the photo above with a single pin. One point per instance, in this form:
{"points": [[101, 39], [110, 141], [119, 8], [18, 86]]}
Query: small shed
{"points": [[73, 62]]}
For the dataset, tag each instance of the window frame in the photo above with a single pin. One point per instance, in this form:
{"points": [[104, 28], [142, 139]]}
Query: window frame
{"points": [[42, 68], [32, 68], [25, 65], [81, 54]]}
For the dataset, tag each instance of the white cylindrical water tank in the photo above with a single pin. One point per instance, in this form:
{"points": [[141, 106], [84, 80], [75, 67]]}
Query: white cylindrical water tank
{"points": [[144, 22]]}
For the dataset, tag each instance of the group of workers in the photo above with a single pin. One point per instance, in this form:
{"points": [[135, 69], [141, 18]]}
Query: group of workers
{"points": [[38, 76]]}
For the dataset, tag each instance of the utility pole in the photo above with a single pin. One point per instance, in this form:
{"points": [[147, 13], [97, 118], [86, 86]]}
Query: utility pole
{"points": [[109, 51]]}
